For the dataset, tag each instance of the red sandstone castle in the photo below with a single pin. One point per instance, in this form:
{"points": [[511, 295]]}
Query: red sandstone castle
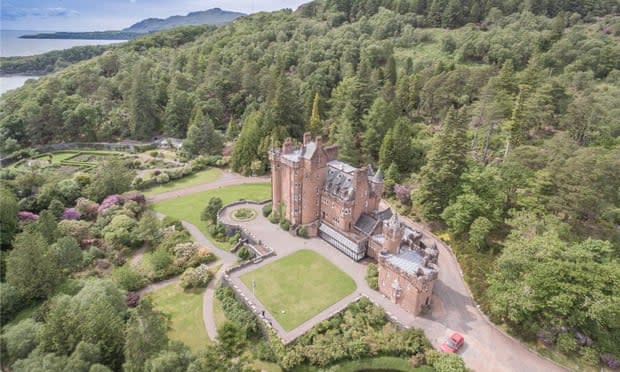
{"points": [[340, 203]]}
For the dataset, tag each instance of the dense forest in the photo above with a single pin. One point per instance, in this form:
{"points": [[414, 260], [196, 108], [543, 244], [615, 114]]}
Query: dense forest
{"points": [[498, 122]]}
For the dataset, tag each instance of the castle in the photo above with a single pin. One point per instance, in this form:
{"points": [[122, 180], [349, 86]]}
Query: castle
{"points": [[340, 204]]}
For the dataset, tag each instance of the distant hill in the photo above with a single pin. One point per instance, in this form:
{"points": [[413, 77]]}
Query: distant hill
{"points": [[215, 16]]}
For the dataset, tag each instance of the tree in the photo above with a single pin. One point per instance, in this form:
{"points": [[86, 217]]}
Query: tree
{"points": [[315, 125], [122, 230], [209, 213], [247, 145], [178, 109], [8, 217], [67, 253], [379, 119], [94, 315], [111, 177], [348, 151], [149, 228], [201, 136], [176, 358], [439, 177], [392, 177], [479, 230], [46, 225], [30, 267], [19, 340], [146, 335], [143, 113], [518, 126], [231, 338]]}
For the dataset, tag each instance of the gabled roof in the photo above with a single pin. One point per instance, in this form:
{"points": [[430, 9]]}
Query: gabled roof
{"points": [[366, 224]]}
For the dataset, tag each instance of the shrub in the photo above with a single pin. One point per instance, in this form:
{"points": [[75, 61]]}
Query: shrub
{"points": [[267, 209], [244, 253], [154, 154], [302, 232], [589, 356], [610, 361], [162, 178], [160, 259], [184, 251], [273, 218], [265, 352], [127, 278], [198, 277], [171, 221], [372, 276], [132, 299], [70, 214], [87, 208], [445, 362], [567, 343], [10, 302], [285, 225], [27, 216]]}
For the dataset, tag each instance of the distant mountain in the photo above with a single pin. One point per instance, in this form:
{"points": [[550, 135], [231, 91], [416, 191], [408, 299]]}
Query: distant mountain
{"points": [[215, 16]]}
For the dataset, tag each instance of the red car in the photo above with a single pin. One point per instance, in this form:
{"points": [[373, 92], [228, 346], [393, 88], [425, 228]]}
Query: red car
{"points": [[453, 344]]}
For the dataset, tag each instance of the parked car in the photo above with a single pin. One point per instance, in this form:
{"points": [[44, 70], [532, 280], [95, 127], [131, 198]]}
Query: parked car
{"points": [[453, 344]]}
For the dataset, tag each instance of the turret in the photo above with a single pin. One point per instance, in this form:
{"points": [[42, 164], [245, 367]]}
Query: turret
{"points": [[393, 233]]}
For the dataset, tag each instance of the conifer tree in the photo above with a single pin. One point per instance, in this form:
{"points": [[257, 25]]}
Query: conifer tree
{"points": [[392, 177], [143, 117], [247, 145], [178, 110], [201, 136], [377, 121], [390, 71], [315, 125], [517, 126], [345, 139], [439, 177]]}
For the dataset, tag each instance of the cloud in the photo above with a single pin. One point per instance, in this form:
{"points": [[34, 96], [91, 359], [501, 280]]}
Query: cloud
{"points": [[11, 13]]}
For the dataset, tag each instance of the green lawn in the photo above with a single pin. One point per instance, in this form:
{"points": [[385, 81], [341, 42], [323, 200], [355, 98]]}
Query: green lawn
{"points": [[189, 207], [198, 178], [185, 311], [297, 287]]}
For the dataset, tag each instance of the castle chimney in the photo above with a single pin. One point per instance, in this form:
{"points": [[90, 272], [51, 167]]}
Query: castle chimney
{"points": [[307, 138], [287, 146], [318, 141]]}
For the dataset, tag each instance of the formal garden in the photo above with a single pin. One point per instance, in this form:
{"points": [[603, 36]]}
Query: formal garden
{"points": [[297, 287]]}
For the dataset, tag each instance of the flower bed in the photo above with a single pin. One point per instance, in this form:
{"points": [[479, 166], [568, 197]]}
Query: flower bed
{"points": [[243, 214]]}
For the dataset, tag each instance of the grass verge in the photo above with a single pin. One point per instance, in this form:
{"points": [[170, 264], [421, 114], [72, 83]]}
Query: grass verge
{"points": [[185, 311], [198, 178]]}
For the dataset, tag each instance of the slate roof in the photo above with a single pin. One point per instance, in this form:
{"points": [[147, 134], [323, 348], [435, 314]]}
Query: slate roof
{"points": [[305, 152], [339, 180], [385, 214], [366, 224], [409, 261]]}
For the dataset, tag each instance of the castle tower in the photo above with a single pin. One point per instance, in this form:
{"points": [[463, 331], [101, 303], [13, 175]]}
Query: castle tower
{"points": [[393, 233]]}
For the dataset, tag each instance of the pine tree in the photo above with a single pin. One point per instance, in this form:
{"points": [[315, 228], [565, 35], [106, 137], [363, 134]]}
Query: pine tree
{"points": [[517, 126], [377, 121], [345, 139], [178, 110], [201, 136], [387, 154], [143, 117], [315, 126], [439, 177], [247, 145], [452, 15], [505, 79], [390, 71], [392, 177]]}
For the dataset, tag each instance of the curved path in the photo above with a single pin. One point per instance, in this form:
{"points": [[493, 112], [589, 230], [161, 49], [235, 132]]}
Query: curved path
{"points": [[486, 347]]}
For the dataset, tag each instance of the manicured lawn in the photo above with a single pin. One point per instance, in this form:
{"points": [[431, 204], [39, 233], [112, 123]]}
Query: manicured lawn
{"points": [[185, 311], [299, 286], [189, 207], [198, 178]]}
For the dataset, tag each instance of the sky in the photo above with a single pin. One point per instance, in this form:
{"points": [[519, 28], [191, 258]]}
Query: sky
{"points": [[100, 15]]}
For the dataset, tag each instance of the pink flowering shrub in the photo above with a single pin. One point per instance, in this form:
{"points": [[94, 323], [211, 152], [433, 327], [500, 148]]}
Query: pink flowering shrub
{"points": [[87, 208], [135, 196], [27, 216], [70, 214], [109, 201], [403, 193]]}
